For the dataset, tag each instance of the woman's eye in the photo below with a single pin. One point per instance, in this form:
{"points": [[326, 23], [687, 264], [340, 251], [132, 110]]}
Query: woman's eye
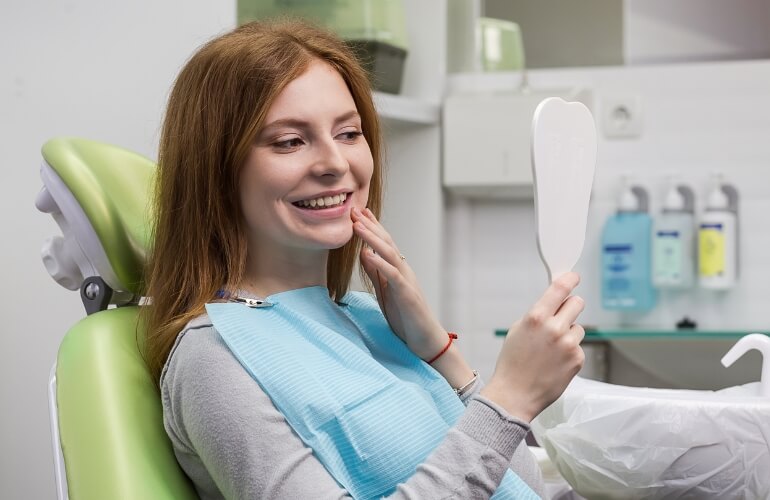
{"points": [[350, 136], [292, 143]]}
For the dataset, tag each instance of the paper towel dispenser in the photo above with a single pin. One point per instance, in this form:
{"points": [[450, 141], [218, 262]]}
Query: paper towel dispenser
{"points": [[487, 140]]}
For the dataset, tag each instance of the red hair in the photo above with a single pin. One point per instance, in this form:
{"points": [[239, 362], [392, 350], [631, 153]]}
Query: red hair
{"points": [[215, 111]]}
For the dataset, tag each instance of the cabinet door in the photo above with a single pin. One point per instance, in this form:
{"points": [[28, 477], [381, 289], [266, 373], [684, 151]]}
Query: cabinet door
{"points": [[487, 141]]}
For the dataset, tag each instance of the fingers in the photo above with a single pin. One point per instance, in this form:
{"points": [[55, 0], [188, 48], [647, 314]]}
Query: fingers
{"points": [[570, 310], [374, 235], [380, 270], [370, 221], [369, 268], [578, 333], [374, 276], [556, 294]]}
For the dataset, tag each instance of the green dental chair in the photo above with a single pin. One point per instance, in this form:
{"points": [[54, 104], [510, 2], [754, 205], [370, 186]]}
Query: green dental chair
{"points": [[106, 416]]}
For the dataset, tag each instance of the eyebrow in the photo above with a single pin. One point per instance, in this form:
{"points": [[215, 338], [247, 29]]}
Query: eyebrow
{"points": [[294, 122]]}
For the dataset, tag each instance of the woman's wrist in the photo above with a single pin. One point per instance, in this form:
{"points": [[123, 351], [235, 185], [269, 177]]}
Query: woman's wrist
{"points": [[453, 367], [437, 346], [428, 345], [515, 404]]}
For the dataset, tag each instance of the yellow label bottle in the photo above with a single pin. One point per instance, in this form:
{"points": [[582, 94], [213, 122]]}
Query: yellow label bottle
{"points": [[718, 242], [711, 242]]}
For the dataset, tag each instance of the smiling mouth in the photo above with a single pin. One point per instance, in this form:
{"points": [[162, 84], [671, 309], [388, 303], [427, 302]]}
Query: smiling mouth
{"points": [[322, 202]]}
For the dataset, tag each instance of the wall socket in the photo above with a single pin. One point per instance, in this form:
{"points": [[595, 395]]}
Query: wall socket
{"points": [[622, 116]]}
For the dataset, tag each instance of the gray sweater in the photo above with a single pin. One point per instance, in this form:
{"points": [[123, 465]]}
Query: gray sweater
{"points": [[233, 443]]}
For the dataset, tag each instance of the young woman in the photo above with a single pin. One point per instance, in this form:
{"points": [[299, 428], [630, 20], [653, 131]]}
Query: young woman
{"points": [[276, 382]]}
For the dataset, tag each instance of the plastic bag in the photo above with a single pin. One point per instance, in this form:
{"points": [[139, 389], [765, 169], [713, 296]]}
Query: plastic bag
{"points": [[616, 442]]}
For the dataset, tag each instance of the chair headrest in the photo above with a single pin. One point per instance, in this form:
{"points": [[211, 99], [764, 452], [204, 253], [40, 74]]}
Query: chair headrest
{"points": [[100, 196]]}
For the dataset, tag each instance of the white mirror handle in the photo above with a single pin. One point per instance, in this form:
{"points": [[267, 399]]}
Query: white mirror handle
{"points": [[759, 342]]}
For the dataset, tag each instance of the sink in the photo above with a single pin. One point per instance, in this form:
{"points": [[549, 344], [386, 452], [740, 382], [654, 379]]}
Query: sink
{"points": [[672, 362], [617, 442]]}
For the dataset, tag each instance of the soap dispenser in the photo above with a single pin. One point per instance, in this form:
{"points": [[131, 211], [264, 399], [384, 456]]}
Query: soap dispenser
{"points": [[718, 237], [673, 239], [626, 249]]}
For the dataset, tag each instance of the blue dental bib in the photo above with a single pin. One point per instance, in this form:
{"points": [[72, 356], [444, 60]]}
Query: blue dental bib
{"points": [[370, 409]]}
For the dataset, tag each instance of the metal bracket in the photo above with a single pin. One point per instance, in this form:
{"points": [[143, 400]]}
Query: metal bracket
{"points": [[95, 294]]}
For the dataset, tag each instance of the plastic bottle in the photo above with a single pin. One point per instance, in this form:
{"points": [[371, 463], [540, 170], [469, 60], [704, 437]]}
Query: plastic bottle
{"points": [[626, 245], [718, 240], [673, 242]]}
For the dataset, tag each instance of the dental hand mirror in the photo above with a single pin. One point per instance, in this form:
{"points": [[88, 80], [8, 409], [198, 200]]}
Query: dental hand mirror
{"points": [[563, 164]]}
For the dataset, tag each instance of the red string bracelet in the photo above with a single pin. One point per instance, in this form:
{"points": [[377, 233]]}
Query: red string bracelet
{"points": [[452, 337]]}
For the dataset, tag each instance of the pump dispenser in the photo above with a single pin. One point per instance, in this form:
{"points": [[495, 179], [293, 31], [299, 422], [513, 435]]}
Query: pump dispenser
{"points": [[626, 245], [629, 200], [673, 239], [718, 237]]}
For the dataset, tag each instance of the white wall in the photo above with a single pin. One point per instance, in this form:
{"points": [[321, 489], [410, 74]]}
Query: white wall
{"points": [[413, 202], [697, 118], [94, 69], [660, 31]]}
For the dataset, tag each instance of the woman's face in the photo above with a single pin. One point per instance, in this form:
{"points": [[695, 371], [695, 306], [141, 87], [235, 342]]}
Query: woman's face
{"points": [[309, 166]]}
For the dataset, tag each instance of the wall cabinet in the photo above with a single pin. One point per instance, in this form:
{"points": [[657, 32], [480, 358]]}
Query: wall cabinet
{"points": [[486, 144], [487, 141]]}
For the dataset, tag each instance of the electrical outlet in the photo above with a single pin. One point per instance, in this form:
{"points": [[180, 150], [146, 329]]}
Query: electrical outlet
{"points": [[622, 116]]}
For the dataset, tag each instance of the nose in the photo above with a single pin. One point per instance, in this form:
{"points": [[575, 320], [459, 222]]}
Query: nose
{"points": [[330, 161]]}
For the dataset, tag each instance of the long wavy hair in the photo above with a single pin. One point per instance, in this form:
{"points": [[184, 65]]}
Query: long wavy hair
{"points": [[216, 109]]}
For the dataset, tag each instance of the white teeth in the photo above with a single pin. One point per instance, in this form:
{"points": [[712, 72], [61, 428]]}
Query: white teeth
{"points": [[325, 201]]}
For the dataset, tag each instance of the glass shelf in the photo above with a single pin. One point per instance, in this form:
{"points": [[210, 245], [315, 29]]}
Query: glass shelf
{"points": [[630, 334]]}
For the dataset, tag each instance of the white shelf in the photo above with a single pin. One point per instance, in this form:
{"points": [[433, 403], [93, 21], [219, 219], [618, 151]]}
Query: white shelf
{"points": [[407, 110]]}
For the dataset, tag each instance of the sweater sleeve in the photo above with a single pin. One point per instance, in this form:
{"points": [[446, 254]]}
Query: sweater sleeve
{"points": [[523, 463], [233, 443]]}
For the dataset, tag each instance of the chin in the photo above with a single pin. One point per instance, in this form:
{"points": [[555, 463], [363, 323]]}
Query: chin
{"points": [[339, 244], [335, 241]]}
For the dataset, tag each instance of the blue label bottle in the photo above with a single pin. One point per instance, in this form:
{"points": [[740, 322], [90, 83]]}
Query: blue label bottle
{"points": [[626, 256]]}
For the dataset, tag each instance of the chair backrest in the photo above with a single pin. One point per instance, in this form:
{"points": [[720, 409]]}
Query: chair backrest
{"points": [[108, 414]]}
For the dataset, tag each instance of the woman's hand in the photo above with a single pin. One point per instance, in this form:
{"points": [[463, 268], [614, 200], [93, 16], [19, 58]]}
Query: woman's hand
{"points": [[541, 353], [398, 292]]}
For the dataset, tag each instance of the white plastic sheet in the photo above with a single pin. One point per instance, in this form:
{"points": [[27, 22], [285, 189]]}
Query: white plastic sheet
{"points": [[616, 442]]}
